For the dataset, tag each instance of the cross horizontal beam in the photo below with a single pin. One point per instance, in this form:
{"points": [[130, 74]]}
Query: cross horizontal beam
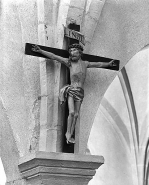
{"points": [[65, 54]]}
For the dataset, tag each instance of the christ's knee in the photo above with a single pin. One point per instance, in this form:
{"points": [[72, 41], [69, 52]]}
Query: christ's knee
{"points": [[76, 115], [71, 114]]}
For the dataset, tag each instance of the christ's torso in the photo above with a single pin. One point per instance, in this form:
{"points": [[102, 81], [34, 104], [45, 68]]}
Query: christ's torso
{"points": [[78, 73]]}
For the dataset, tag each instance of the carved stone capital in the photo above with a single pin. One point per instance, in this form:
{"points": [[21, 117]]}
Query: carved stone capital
{"points": [[59, 168]]}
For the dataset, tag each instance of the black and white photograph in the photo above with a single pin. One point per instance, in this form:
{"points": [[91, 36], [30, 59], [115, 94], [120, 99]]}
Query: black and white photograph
{"points": [[74, 92]]}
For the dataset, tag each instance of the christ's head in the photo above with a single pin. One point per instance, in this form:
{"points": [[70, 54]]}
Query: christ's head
{"points": [[75, 51]]}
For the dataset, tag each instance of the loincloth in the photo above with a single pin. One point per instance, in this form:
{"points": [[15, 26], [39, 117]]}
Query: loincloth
{"points": [[77, 93]]}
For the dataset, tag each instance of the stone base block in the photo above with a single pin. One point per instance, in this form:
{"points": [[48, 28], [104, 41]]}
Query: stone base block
{"points": [[44, 168]]}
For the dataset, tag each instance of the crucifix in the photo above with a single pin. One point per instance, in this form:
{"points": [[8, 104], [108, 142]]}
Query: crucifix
{"points": [[77, 62]]}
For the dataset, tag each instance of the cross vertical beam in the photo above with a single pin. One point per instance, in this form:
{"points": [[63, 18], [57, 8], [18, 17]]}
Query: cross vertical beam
{"points": [[77, 126], [71, 148]]}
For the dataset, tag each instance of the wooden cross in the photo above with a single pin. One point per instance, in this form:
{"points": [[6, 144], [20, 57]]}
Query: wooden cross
{"points": [[72, 37]]}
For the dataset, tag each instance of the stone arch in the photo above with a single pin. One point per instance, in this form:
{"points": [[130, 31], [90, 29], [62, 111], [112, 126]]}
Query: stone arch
{"points": [[134, 123], [110, 143], [137, 128]]}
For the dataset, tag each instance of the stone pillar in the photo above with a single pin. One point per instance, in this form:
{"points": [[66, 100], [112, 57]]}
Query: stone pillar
{"points": [[51, 33], [59, 168]]}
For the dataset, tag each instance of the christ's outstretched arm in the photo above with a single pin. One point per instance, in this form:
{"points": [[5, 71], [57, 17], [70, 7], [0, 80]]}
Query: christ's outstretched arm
{"points": [[101, 64], [50, 55]]}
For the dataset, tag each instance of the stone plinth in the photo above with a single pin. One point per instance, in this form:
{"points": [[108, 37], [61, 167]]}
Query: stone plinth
{"points": [[59, 168]]}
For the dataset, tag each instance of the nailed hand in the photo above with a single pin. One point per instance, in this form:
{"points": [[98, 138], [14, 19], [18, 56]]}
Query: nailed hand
{"points": [[112, 63], [36, 48]]}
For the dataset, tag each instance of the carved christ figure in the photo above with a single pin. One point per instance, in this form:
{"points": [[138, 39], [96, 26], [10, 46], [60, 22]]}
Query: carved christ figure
{"points": [[73, 93]]}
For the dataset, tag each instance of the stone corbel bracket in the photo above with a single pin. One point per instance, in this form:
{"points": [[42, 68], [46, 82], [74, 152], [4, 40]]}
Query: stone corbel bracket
{"points": [[59, 168]]}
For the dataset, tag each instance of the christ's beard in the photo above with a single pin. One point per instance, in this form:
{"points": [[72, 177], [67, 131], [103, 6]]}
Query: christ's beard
{"points": [[74, 58]]}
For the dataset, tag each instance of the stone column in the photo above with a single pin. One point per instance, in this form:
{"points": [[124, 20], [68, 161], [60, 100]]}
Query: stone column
{"points": [[51, 33], [59, 168]]}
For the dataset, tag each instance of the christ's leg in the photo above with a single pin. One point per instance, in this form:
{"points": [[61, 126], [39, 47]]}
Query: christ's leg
{"points": [[77, 105], [70, 118]]}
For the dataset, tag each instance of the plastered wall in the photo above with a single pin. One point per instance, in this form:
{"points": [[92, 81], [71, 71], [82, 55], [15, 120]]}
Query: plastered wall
{"points": [[19, 81]]}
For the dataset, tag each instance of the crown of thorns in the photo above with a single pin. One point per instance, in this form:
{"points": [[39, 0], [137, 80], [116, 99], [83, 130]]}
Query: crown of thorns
{"points": [[78, 46]]}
